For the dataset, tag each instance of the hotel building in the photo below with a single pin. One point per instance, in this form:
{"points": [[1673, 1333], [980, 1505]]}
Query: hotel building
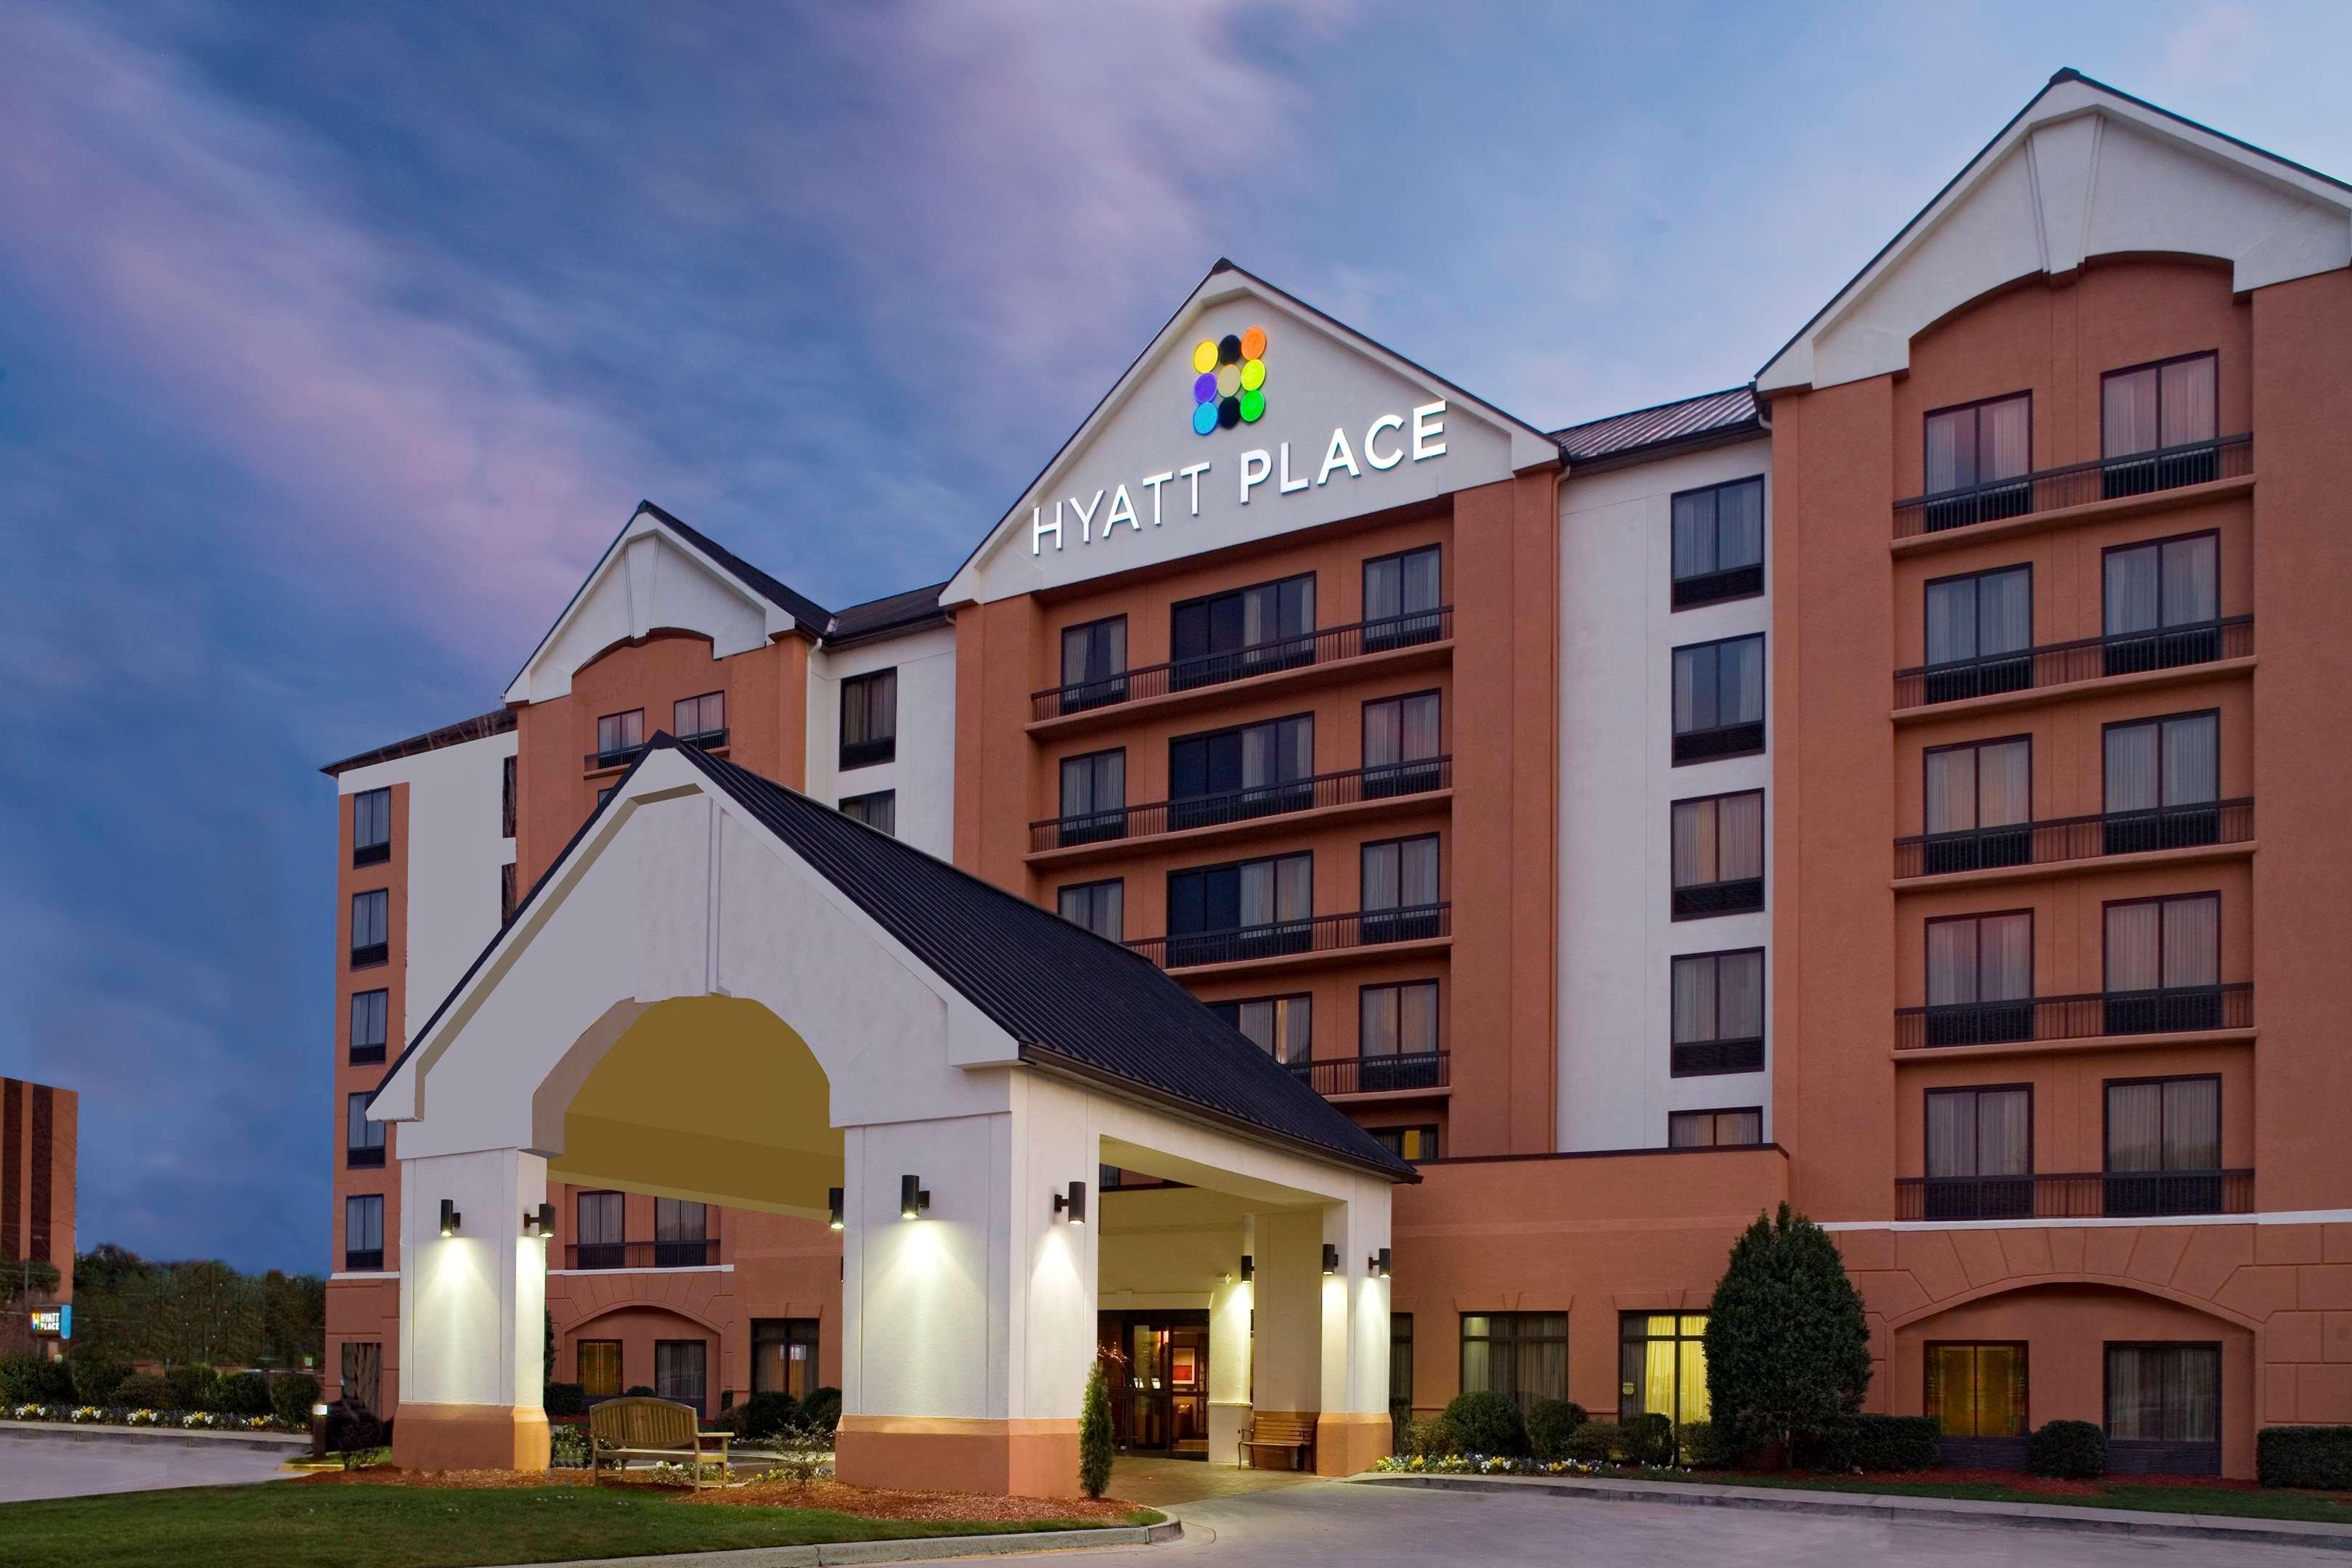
{"points": [[1840, 788]]}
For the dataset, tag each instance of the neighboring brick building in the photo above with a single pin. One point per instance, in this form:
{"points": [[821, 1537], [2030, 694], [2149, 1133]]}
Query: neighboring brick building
{"points": [[38, 1140]]}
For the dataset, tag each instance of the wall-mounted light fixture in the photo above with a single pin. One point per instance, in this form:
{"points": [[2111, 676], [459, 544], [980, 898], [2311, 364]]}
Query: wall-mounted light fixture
{"points": [[833, 1209], [1072, 1203], [914, 1198], [449, 1217], [1249, 1267], [1377, 1265], [539, 1222], [1330, 1258]]}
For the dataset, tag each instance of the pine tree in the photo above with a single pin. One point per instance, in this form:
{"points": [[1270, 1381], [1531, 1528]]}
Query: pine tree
{"points": [[1094, 1435], [1788, 1349]]}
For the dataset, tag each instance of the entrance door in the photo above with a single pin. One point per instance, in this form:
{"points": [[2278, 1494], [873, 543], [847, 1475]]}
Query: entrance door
{"points": [[1157, 1364]]}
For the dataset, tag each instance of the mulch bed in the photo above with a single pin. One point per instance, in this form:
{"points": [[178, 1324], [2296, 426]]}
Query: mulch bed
{"points": [[861, 1502]]}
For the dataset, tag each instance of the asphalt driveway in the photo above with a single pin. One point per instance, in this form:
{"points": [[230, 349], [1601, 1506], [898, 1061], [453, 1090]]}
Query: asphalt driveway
{"points": [[52, 1466]]}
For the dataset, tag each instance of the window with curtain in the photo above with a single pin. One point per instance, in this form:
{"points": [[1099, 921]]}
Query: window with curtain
{"points": [[678, 1370], [1094, 664], [681, 1234], [1251, 770], [701, 719], [1978, 1390], [1401, 888], [784, 1356], [1980, 979], [1718, 846], [1398, 1020], [869, 719], [1401, 595], [1094, 794], [1403, 740], [1735, 1128], [371, 923], [1719, 1011], [878, 811], [1100, 906], [1718, 700], [1661, 1366], [1979, 805], [1414, 1143], [1979, 444], [1401, 1362], [2164, 963], [1250, 631], [1282, 1027], [370, 1010], [1248, 910], [364, 1232], [2149, 415], [1979, 1153], [370, 827], [600, 1368], [1718, 543], [2161, 603], [362, 1139], [1522, 1355], [2164, 1393], [2164, 1146], [598, 1231], [2163, 780], [1979, 634], [619, 737]]}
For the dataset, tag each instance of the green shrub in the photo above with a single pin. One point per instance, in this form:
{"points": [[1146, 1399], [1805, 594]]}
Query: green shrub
{"points": [[1871, 1443], [1429, 1436], [1488, 1423], [563, 1399], [1788, 1351], [822, 1410], [567, 1447], [1598, 1443], [143, 1391], [766, 1415], [639, 1391], [2069, 1450], [95, 1381], [291, 1396], [1649, 1438], [1707, 1446], [350, 1430], [1550, 1424], [2317, 1457], [194, 1388], [243, 1393], [1094, 1434], [35, 1380]]}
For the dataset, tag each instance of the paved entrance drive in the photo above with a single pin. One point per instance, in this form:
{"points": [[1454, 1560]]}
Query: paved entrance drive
{"points": [[1164, 1483], [84, 1467]]}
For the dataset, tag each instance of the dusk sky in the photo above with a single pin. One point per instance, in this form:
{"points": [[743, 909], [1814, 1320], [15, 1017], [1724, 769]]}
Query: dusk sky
{"points": [[336, 342]]}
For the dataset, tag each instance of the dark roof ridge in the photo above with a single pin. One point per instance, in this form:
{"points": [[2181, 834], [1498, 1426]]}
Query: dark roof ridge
{"points": [[481, 726]]}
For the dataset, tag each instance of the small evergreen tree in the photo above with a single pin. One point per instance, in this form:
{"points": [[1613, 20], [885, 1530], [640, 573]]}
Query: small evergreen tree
{"points": [[1788, 1350], [1094, 1435]]}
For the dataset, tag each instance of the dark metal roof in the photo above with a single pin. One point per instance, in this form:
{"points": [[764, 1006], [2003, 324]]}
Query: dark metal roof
{"points": [[891, 613], [1709, 417], [811, 614], [497, 721]]}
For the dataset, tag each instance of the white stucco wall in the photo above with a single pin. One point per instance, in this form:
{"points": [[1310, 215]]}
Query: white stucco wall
{"points": [[923, 772], [1617, 782]]}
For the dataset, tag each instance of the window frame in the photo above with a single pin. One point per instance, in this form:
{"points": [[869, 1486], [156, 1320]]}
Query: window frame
{"points": [[1980, 656], [363, 1260], [1763, 702], [1626, 1411], [378, 801], [2159, 366], [506, 786], [508, 894], [875, 750], [2106, 1119], [620, 1368], [1183, 680], [789, 1338], [1433, 838], [368, 1153], [1306, 999], [701, 1399], [371, 1052], [1675, 1047], [887, 800], [1114, 681], [1676, 577], [1976, 405], [1436, 1013], [616, 1248], [1426, 1130], [2032, 1151], [1088, 887], [621, 755], [1406, 627], [708, 736], [1524, 1398], [1401, 1366], [2107, 1391], [1931, 1391], [1717, 1111], [375, 954], [2158, 544], [1977, 788], [2105, 987], [1675, 889]]}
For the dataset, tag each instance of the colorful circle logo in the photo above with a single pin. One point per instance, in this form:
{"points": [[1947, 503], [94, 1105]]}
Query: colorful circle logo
{"points": [[1228, 381]]}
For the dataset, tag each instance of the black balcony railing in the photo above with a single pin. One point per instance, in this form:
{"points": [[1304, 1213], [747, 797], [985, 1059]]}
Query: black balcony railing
{"points": [[369, 956], [642, 1254], [364, 1261], [2106, 479], [866, 753], [2092, 1195], [707, 740], [371, 854], [1711, 587], [1384, 636], [1386, 782], [1724, 741], [370, 1159], [367, 1055], [1376, 1075], [2075, 839], [1736, 897], [2087, 658], [1697, 1058], [2169, 1010], [1289, 939], [618, 757]]}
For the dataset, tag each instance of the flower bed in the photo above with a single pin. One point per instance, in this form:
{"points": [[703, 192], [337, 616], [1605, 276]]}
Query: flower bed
{"points": [[125, 1415], [1487, 1465]]}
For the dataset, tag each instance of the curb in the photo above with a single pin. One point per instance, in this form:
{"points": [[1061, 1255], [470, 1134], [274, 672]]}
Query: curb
{"points": [[1892, 1509], [916, 1550], [66, 1432]]}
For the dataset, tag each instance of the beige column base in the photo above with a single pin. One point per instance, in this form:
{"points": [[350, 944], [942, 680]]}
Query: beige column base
{"points": [[1346, 1443], [1029, 1458], [468, 1438]]}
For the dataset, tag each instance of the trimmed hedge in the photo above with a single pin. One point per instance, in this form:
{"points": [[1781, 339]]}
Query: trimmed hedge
{"points": [[1873, 1442], [194, 1388], [1551, 1425], [766, 1415], [2068, 1450], [1429, 1436], [1649, 1439], [1597, 1443], [144, 1391], [291, 1396], [35, 1380], [1707, 1446], [1485, 1422], [822, 1409], [2319, 1457], [96, 1381], [243, 1393], [564, 1399]]}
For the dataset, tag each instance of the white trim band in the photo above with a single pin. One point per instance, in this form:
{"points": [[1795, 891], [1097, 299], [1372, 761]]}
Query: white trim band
{"points": [[2279, 1217], [688, 1269]]}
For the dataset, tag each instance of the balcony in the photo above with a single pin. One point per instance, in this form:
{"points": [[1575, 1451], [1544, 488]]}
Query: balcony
{"points": [[1359, 786], [1299, 938], [1726, 740], [2200, 824], [1420, 1072], [374, 854], [2086, 658], [2077, 484], [2095, 1194], [1714, 587], [705, 740], [1392, 634], [2174, 1009], [867, 754], [368, 1159], [370, 955], [1700, 1059], [605, 762], [1701, 900], [600, 1255]]}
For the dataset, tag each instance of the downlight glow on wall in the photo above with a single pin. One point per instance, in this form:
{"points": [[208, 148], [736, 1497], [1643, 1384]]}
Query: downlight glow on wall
{"points": [[1228, 381]]}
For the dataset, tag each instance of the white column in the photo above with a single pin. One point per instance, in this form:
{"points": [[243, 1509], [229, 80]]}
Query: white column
{"points": [[472, 1313], [1230, 1306]]}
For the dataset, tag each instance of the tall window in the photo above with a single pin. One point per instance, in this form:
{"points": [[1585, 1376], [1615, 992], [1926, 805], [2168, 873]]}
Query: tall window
{"points": [[869, 719], [1250, 631], [1740, 1127], [1255, 908], [2163, 1394], [1403, 594], [1401, 888], [879, 810], [620, 737], [1980, 979], [1979, 634], [362, 1369], [1094, 796], [362, 1139], [2164, 963], [507, 798], [1718, 543], [1978, 1390], [505, 892], [2149, 412], [678, 1370], [681, 1234], [1661, 1366], [369, 1013], [2164, 1146], [1979, 805], [1718, 1013], [1100, 906], [599, 1236], [1719, 855], [1093, 664], [1523, 1354], [1970, 450], [1718, 700], [1282, 1027], [700, 719], [364, 1232], [1403, 740], [1256, 770], [371, 925], [2163, 781], [1401, 1362], [1980, 1153], [1412, 1143], [784, 1356], [2161, 604], [1397, 1038], [370, 827], [600, 1368]]}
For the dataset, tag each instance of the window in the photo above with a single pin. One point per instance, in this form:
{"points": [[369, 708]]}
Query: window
{"points": [[363, 1232], [1248, 631], [1402, 595], [600, 1368], [1094, 797], [1980, 1153], [505, 892], [784, 1356], [1980, 806], [370, 917], [1094, 664], [1980, 979], [1718, 700], [1397, 1038], [369, 1013], [2166, 1394], [370, 827], [1718, 543], [1282, 1027], [878, 811], [1978, 1390], [1100, 906], [869, 719], [1737, 1128], [362, 1369], [1979, 634], [620, 737], [2164, 963], [1718, 1013], [700, 719], [1719, 855], [1523, 1354], [677, 1371], [1227, 775], [600, 1239], [1413, 1144], [1255, 908], [1403, 742], [1401, 1362], [1661, 1366], [2162, 603], [1971, 451], [681, 1234], [2163, 783], [2148, 414], [362, 1139], [1401, 888], [2164, 1146], [507, 798]]}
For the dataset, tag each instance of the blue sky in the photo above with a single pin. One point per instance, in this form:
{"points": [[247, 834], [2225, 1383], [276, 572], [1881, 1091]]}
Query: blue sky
{"points": [[335, 343]]}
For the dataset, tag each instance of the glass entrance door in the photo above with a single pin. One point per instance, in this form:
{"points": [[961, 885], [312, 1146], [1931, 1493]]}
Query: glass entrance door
{"points": [[1157, 1364]]}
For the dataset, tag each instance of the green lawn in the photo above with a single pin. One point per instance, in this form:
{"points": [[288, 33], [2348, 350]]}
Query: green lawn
{"points": [[290, 1525], [2314, 1508]]}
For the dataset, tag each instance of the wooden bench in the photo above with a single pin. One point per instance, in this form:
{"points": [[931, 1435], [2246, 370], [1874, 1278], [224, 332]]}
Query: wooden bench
{"points": [[624, 1430], [1291, 1433]]}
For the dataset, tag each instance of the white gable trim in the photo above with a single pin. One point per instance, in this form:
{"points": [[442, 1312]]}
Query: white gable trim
{"points": [[2084, 171]]}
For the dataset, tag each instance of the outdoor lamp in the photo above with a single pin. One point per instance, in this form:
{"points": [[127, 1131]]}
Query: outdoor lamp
{"points": [[1377, 1265], [833, 1209], [913, 1197], [449, 1217], [1330, 1258], [539, 1221], [1249, 1267], [1073, 1204]]}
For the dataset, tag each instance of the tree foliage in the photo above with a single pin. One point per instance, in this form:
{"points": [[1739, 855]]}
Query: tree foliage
{"points": [[1094, 1435], [1788, 1349], [200, 1313]]}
